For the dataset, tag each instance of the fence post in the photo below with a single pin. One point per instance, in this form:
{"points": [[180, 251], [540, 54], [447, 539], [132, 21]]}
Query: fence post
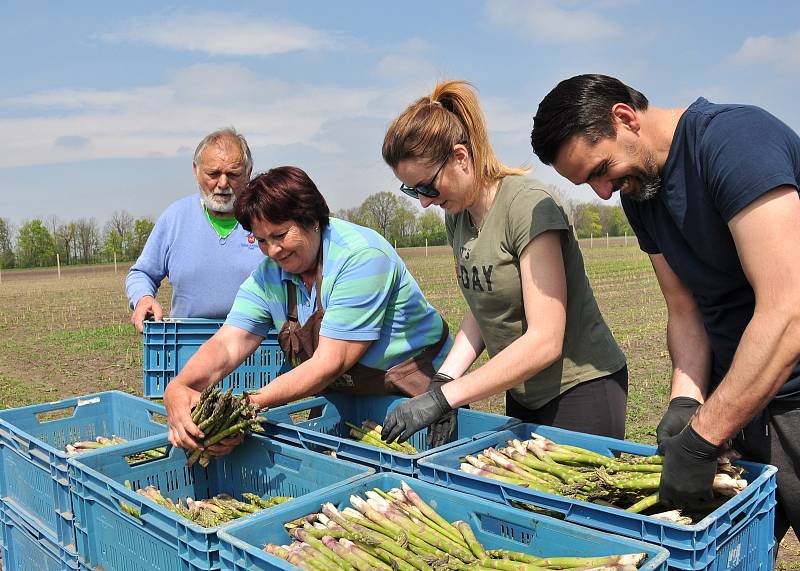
{"points": [[606, 239], [58, 265], [626, 238], [591, 240], [115, 262], [426, 247]]}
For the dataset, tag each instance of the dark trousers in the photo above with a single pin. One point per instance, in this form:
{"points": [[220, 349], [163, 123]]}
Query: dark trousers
{"points": [[773, 437], [594, 407]]}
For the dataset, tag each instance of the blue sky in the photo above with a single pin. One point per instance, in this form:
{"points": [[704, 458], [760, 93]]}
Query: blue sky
{"points": [[103, 102]]}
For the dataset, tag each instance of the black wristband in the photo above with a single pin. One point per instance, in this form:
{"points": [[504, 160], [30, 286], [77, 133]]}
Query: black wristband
{"points": [[698, 446], [440, 399], [684, 402]]}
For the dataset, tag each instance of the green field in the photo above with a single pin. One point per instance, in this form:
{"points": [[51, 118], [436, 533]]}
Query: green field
{"points": [[72, 336]]}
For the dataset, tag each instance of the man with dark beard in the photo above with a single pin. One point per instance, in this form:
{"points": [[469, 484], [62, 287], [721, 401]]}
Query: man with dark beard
{"points": [[712, 194], [197, 243]]}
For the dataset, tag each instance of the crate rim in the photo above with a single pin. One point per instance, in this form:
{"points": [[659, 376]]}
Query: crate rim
{"points": [[323, 400]]}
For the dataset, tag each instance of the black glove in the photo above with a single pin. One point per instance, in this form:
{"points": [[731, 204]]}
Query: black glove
{"points": [[440, 431], [415, 414], [679, 413], [690, 462]]}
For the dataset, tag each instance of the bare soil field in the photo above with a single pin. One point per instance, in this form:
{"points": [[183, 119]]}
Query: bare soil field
{"points": [[70, 336]]}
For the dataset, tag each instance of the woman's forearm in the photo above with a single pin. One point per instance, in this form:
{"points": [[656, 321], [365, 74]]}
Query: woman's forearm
{"points": [[467, 346], [524, 358]]}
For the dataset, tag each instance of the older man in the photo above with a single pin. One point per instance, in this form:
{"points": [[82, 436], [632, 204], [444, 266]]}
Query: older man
{"points": [[197, 243], [712, 193]]}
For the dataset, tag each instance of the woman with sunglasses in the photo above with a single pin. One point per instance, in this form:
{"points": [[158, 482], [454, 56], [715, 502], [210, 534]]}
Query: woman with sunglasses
{"points": [[350, 316], [521, 272]]}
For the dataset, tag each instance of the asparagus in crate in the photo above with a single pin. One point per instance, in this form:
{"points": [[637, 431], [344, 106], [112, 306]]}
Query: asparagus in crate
{"points": [[222, 415], [398, 530], [101, 442], [630, 482], [370, 433], [212, 512]]}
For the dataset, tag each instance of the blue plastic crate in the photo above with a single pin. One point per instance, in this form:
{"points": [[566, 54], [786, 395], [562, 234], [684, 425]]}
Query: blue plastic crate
{"points": [[113, 540], [329, 431], [26, 548], [34, 476], [168, 345], [496, 527], [737, 535]]}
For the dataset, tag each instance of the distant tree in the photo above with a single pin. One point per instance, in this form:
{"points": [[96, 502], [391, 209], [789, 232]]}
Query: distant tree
{"points": [[141, 231], [87, 239], [403, 228], [35, 245], [617, 223], [430, 226], [380, 210], [118, 235], [7, 259], [355, 215], [65, 240], [587, 220]]}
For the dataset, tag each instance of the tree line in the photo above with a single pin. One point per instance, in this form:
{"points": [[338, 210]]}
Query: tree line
{"points": [[399, 220], [37, 242]]}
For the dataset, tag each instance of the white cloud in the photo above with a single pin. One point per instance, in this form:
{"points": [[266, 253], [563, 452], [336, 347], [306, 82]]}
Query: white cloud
{"points": [[161, 120], [779, 53], [546, 21], [224, 33]]}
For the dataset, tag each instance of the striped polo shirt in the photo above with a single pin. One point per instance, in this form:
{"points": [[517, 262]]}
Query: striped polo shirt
{"points": [[367, 292]]}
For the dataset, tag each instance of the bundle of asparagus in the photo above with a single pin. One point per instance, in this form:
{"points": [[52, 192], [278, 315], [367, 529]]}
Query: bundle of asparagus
{"points": [[101, 442], [397, 530], [212, 512], [222, 415], [370, 433], [628, 482]]}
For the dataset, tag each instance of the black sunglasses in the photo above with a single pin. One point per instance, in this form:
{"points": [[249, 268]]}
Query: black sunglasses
{"points": [[426, 189]]}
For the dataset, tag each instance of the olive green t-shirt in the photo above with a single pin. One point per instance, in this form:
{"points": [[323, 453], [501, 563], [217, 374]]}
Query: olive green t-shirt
{"points": [[487, 268]]}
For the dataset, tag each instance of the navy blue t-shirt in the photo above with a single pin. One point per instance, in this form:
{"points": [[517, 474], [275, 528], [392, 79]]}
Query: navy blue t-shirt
{"points": [[722, 158]]}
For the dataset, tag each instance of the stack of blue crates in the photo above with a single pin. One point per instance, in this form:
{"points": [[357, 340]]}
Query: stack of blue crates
{"points": [[35, 498]]}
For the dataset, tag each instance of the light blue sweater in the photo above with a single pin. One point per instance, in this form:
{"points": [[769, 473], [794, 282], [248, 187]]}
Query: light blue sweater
{"points": [[205, 272]]}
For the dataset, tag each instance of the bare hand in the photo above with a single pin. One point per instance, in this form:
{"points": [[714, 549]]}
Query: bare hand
{"points": [[179, 400], [224, 447], [146, 307]]}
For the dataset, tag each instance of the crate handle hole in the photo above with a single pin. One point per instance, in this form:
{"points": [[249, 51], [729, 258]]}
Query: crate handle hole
{"points": [[55, 414]]}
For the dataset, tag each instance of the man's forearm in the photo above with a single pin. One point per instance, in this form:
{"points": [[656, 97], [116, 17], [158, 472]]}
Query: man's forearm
{"points": [[690, 352], [767, 352]]}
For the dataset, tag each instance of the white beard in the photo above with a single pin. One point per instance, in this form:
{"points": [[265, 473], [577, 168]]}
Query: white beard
{"points": [[219, 202]]}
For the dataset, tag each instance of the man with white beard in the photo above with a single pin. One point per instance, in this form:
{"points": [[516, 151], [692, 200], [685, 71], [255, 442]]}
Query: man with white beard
{"points": [[197, 243]]}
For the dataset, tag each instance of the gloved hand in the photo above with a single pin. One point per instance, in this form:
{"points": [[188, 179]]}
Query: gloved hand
{"points": [[690, 462], [417, 413], [440, 431], [679, 413]]}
